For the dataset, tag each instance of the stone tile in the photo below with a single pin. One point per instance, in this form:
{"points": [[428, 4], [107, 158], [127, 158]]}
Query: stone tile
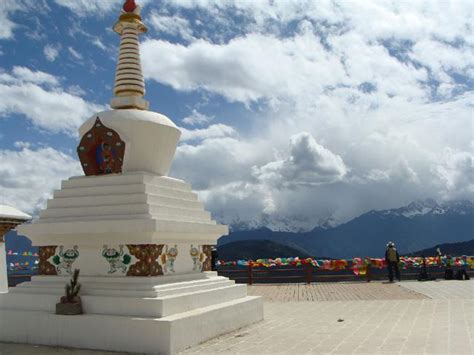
{"points": [[425, 321]]}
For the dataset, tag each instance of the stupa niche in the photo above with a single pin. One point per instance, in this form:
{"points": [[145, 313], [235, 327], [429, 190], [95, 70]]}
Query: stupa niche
{"points": [[142, 240]]}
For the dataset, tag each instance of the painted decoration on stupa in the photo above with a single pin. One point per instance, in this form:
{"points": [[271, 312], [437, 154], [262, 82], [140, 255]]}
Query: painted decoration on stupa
{"points": [[168, 258], [118, 260], [147, 264], [125, 259], [207, 263], [198, 257], [45, 267], [101, 150], [64, 259]]}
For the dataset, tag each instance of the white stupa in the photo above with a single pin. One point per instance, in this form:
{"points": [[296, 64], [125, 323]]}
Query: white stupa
{"points": [[141, 239], [10, 217]]}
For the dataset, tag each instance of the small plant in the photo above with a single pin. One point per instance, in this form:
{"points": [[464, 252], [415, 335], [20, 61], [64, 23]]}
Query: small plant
{"points": [[70, 304], [72, 289]]}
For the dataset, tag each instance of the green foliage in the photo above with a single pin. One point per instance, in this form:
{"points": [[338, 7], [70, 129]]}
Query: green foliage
{"points": [[56, 260], [73, 288], [126, 259]]}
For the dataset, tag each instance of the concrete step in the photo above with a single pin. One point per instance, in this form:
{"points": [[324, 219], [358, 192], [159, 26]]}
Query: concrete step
{"points": [[125, 179], [93, 290], [157, 283], [153, 307], [164, 205], [148, 189]]}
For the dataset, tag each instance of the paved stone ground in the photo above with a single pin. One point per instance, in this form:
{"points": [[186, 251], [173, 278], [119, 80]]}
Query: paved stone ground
{"points": [[437, 325], [368, 327], [334, 291], [443, 290]]}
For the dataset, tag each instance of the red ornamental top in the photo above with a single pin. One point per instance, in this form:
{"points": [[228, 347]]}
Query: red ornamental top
{"points": [[129, 6]]}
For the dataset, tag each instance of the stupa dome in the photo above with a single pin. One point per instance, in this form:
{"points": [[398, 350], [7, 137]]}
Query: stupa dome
{"points": [[150, 138]]}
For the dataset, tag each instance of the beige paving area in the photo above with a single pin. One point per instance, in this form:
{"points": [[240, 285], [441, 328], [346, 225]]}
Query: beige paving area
{"points": [[443, 290], [436, 325], [354, 327], [334, 291]]}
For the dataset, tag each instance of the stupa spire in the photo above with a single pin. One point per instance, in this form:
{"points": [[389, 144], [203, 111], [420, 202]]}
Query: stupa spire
{"points": [[129, 86]]}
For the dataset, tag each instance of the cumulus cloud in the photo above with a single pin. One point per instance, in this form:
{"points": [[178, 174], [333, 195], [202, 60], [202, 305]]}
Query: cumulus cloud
{"points": [[308, 163], [28, 176], [343, 107], [38, 96], [216, 161], [245, 69], [456, 173], [382, 91]]}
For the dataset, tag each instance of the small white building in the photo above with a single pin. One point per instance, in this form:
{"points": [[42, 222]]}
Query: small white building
{"points": [[10, 217]]}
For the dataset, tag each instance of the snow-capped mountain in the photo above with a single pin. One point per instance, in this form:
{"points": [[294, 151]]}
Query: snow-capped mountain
{"points": [[430, 206], [278, 223], [300, 224], [419, 225]]}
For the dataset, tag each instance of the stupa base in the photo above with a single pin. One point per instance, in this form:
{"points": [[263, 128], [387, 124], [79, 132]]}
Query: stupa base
{"points": [[124, 315]]}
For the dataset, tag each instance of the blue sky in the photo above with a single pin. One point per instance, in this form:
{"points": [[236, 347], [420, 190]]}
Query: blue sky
{"points": [[293, 112]]}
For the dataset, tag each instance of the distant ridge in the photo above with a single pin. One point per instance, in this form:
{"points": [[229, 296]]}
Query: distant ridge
{"points": [[257, 249], [417, 226], [454, 249]]}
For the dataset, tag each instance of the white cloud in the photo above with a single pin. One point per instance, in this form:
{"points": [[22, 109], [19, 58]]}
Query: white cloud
{"points": [[258, 66], [383, 90], [218, 161], [96, 41], [49, 108], [74, 53], [51, 52], [26, 75], [197, 118], [7, 27], [28, 176], [9, 7], [213, 131], [97, 7], [172, 25], [456, 173], [308, 163]]}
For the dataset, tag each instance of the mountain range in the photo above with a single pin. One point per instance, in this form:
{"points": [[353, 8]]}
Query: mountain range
{"points": [[454, 249], [415, 227], [419, 225]]}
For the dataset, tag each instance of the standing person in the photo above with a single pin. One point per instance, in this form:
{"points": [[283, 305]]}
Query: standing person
{"points": [[439, 255], [213, 258], [392, 258]]}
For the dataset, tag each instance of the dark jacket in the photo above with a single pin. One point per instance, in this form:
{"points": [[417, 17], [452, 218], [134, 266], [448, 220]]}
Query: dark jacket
{"points": [[396, 253]]}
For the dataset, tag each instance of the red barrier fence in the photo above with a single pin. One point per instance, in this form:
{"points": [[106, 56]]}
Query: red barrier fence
{"points": [[311, 270]]}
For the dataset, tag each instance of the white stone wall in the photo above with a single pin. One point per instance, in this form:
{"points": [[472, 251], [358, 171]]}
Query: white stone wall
{"points": [[3, 269]]}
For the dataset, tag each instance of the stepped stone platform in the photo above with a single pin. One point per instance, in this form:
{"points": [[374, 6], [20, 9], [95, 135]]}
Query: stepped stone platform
{"points": [[133, 207], [427, 321], [141, 314]]}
